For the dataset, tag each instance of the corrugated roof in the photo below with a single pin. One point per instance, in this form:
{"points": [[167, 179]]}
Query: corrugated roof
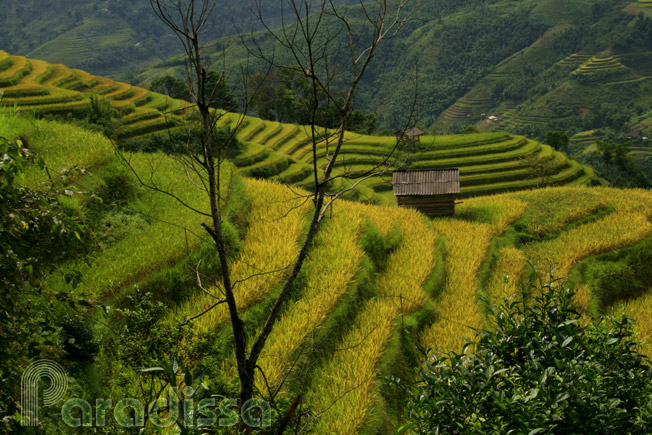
{"points": [[426, 182]]}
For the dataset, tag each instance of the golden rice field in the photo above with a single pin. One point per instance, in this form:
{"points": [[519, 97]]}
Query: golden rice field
{"points": [[553, 227], [271, 245]]}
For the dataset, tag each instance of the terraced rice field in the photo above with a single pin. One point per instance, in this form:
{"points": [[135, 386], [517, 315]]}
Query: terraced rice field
{"points": [[575, 59], [466, 108], [488, 163], [599, 63], [342, 329], [644, 6], [510, 119], [585, 138], [39, 87]]}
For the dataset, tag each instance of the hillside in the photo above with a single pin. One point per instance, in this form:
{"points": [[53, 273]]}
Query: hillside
{"points": [[536, 65], [113, 38], [533, 64], [488, 162], [356, 314]]}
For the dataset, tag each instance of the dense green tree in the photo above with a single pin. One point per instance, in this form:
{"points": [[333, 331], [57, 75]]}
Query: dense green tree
{"points": [[171, 87], [284, 95], [557, 139], [539, 369], [219, 93]]}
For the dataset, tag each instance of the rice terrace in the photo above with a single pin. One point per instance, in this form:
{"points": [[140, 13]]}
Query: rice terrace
{"points": [[189, 249]]}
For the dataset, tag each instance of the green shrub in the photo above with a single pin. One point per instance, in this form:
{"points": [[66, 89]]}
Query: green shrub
{"points": [[618, 275], [616, 281], [116, 225], [78, 339], [377, 246], [640, 260], [117, 184], [541, 370]]}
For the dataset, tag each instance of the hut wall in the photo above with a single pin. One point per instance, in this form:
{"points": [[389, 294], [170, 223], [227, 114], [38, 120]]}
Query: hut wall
{"points": [[431, 206]]}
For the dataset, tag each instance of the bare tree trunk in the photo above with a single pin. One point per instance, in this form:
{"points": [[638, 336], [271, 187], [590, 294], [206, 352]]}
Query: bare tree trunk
{"points": [[311, 52]]}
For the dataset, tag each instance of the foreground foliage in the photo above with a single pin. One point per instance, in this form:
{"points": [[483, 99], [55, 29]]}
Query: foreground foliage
{"points": [[541, 370]]}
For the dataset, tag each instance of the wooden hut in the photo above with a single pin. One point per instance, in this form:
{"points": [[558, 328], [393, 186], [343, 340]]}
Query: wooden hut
{"points": [[409, 136], [431, 191]]}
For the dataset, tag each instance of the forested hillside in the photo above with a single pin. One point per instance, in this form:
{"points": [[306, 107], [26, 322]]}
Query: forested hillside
{"points": [[108, 37]]}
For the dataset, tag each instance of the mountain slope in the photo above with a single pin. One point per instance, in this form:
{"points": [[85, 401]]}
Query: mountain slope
{"points": [[489, 163], [109, 37]]}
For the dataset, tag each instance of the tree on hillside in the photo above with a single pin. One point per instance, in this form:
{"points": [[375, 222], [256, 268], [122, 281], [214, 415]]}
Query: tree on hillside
{"points": [[283, 94], [37, 232], [557, 139], [222, 97], [618, 166], [316, 50], [171, 87]]}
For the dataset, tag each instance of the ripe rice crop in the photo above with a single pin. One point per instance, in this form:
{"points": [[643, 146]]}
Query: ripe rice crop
{"points": [[332, 263], [344, 387], [24, 89], [639, 309], [630, 200], [271, 244], [505, 277], [550, 210], [55, 96], [69, 107], [5, 60], [59, 73], [616, 230], [466, 247], [457, 309]]}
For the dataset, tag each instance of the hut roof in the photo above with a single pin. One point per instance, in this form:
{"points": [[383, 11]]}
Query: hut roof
{"points": [[426, 182], [412, 132]]}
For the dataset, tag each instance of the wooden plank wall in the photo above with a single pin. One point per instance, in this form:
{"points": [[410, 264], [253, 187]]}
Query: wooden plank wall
{"points": [[431, 206]]}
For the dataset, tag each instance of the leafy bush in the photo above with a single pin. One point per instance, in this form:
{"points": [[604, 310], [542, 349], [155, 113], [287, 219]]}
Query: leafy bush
{"points": [[377, 246], [78, 339], [616, 281], [619, 275], [541, 370]]}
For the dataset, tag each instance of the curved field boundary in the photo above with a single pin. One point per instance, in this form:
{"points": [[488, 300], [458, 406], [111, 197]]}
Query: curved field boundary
{"points": [[345, 385], [289, 132], [19, 68], [335, 260], [5, 60], [271, 242]]}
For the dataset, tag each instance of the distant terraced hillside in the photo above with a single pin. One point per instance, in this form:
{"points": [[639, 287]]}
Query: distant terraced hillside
{"points": [[489, 163], [34, 86]]}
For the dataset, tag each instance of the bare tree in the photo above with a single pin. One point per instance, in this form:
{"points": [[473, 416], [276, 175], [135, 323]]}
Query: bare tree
{"points": [[317, 49]]}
